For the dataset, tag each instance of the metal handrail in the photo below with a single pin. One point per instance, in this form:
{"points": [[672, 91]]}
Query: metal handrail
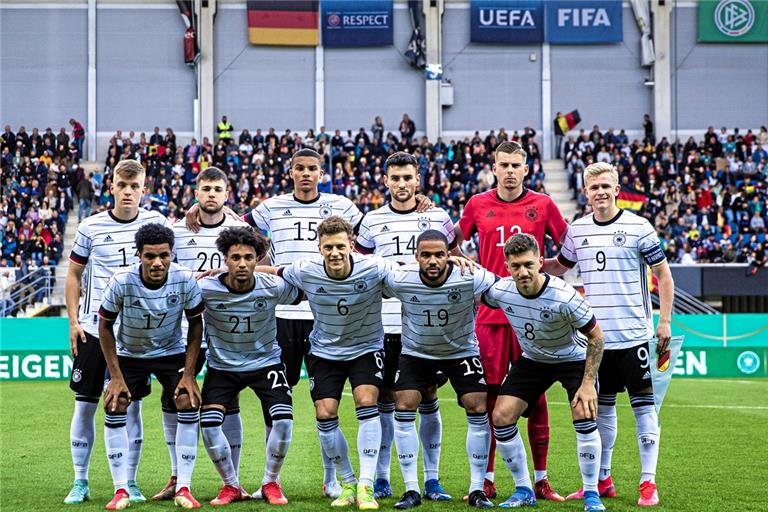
{"points": [[17, 299]]}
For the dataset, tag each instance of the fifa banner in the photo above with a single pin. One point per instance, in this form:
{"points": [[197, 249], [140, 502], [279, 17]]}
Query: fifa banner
{"points": [[355, 24], [662, 365], [584, 22], [507, 21], [733, 21], [283, 22]]}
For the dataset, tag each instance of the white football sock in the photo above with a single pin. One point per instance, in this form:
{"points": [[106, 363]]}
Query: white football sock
{"points": [[116, 442], [82, 434], [186, 447], [647, 422], [512, 451], [430, 434], [135, 428], [368, 442], [169, 430], [407, 443], [386, 417], [277, 448], [335, 447], [478, 443], [606, 425], [233, 430], [588, 452], [217, 445]]}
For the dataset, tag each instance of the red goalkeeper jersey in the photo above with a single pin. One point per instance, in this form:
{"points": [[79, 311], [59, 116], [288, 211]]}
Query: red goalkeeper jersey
{"points": [[495, 221]]}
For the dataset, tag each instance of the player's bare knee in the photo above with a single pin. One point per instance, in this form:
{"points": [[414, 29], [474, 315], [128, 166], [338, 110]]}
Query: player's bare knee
{"points": [[407, 400], [365, 396], [430, 394], [326, 409], [474, 403], [183, 402]]}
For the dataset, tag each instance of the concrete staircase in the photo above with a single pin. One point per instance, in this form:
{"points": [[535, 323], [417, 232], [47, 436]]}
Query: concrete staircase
{"points": [[556, 183]]}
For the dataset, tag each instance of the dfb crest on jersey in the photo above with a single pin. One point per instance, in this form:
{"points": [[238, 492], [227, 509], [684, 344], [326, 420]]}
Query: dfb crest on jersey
{"points": [[531, 213], [173, 298], [360, 286], [424, 224], [546, 314], [260, 304], [325, 211], [454, 296], [619, 238]]}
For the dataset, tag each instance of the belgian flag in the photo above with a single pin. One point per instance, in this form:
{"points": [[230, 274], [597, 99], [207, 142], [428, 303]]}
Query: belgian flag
{"points": [[568, 121], [283, 22]]}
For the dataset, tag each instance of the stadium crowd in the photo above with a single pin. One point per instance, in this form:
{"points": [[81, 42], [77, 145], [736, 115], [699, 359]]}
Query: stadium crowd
{"points": [[706, 197], [40, 174]]}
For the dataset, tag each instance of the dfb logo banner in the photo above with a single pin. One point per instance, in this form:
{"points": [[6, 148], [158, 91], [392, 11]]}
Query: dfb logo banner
{"points": [[584, 22], [507, 21], [733, 21], [355, 24]]}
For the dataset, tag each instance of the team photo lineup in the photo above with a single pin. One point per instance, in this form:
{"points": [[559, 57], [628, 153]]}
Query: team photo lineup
{"points": [[385, 301]]}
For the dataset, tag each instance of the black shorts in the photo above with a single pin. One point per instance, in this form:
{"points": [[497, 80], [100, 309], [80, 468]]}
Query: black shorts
{"points": [[166, 397], [270, 385], [392, 348], [293, 338], [327, 378], [465, 374], [88, 369], [138, 371], [625, 369], [528, 380]]}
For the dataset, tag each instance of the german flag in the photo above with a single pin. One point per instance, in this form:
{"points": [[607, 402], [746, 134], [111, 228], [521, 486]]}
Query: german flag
{"points": [[569, 120], [631, 200], [283, 22]]}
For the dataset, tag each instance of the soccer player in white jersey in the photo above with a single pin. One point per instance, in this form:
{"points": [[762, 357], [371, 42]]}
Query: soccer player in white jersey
{"points": [[438, 304], [391, 232], [291, 221], [550, 318], [613, 249], [243, 352], [197, 251], [150, 299], [103, 244], [346, 343]]}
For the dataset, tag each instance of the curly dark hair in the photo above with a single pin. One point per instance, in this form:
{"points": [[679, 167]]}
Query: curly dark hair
{"points": [[153, 234], [242, 236]]}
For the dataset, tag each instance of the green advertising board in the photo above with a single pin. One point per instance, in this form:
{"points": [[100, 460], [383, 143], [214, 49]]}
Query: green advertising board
{"points": [[724, 346], [733, 21]]}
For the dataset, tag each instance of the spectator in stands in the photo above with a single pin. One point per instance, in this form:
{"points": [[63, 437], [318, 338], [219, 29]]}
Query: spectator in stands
{"points": [[407, 129]]}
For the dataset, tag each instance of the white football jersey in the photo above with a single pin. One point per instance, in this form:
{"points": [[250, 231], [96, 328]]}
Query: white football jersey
{"points": [[292, 228], [240, 327], [104, 244], [150, 318], [613, 258], [549, 324], [197, 251], [347, 311], [438, 321], [392, 234]]}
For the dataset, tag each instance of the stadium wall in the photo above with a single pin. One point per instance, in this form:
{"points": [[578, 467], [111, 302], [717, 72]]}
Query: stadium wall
{"points": [[142, 80], [718, 346]]}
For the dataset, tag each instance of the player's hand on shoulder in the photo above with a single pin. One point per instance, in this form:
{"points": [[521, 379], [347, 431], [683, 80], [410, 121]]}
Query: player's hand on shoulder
{"points": [[465, 264], [423, 203], [231, 213], [192, 218], [210, 273]]}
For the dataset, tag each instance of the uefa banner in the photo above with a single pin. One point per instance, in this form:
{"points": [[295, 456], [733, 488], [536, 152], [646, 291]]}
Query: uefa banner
{"points": [[356, 24], [584, 21], [733, 21], [507, 21]]}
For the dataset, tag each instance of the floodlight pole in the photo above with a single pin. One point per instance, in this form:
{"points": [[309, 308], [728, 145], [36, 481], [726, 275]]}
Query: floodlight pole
{"points": [[206, 11], [662, 69], [433, 24]]}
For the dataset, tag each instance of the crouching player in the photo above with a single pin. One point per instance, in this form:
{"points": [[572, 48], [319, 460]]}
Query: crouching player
{"points": [[546, 314], [243, 352], [150, 298]]}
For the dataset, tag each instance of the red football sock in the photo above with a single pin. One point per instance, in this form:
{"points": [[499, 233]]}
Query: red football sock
{"points": [[538, 434], [493, 394]]}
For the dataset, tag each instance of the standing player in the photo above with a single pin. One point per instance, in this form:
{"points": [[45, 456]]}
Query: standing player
{"points": [[438, 335], [496, 215], [103, 244], [150, 298], [346, 342], [549, 317], [391, 232], [613, 249], [243, 352], [197, 251], [291, 222]]}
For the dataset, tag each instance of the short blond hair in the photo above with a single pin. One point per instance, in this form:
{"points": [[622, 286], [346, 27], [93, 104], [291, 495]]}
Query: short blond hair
{"points": [[129, 169], [594, 170]]}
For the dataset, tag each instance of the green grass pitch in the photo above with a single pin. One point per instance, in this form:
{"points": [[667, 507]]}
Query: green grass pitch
{"points": [[714, 452]]}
